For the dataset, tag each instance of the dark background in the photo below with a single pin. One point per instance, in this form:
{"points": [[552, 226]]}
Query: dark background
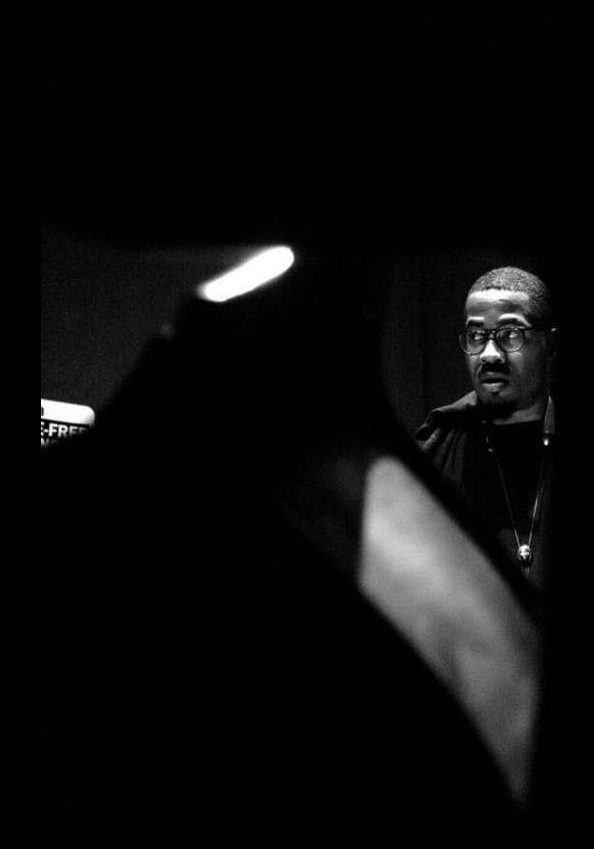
{"points": [[435, 145]]}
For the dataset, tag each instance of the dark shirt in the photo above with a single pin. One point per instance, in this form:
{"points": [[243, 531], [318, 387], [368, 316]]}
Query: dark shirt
{"points": [[454, 438], [519, 449]]}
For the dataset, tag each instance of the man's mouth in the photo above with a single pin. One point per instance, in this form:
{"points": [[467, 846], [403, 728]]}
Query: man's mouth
{"points": [[493, 381]]}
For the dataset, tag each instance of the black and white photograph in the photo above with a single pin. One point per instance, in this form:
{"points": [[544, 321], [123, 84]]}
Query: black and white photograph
{"points": [[315, 412]]}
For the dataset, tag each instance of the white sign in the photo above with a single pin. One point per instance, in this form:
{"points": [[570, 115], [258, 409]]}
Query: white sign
{"points": [[60, 420]]}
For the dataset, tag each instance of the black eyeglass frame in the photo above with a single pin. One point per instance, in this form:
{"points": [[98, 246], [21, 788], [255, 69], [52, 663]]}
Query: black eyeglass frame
{"points": [[493, 334]]}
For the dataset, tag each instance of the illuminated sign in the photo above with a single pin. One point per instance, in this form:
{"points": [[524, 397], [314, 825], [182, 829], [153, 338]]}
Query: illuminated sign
{"points": [[60, 420]]}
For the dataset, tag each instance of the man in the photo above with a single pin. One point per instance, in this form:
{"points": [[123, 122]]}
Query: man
{"points": [[495, 444]]}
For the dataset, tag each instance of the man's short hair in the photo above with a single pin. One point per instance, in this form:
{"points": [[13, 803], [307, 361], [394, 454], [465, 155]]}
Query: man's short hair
{"points": [[511, 279]]}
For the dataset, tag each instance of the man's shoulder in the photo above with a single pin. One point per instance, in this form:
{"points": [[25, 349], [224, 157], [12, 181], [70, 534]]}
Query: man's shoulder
{"points": [[447, 417]]}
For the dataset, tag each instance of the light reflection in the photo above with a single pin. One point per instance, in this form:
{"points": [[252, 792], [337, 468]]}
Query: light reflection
{"points": [[251, 274]]}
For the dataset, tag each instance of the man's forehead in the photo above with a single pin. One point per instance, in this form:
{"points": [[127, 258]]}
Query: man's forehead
{"points": [[500, 301]]}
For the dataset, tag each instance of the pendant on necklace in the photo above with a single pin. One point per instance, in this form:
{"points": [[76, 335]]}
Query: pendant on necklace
{"points": [[525, 558]]}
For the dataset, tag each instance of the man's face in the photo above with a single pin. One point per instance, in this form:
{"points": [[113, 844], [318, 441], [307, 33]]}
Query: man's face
{"points": [[511, 385]]}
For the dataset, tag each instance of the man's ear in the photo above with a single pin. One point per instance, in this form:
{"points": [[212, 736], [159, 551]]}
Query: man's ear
{"points": [[553, 354], [553, 341]]}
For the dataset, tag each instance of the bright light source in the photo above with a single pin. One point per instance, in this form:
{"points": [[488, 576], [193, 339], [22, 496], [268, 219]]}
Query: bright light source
{"points": [[248, 276]]}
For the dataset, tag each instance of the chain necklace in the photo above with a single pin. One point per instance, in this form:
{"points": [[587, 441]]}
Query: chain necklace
{"points": [[524, 552]]}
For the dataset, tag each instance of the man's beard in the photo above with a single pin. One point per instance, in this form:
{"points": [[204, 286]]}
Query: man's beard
{"points": [[497, 408]]}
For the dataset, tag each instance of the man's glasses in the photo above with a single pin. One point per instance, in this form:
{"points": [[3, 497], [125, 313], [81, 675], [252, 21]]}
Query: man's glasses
{"points": [[508, 338]]}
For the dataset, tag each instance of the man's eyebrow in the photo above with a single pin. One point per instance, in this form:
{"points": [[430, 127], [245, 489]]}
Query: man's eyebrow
{"points": [[507, 318]]}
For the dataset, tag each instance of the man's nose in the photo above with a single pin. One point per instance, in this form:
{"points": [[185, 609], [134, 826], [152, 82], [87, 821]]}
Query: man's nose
{"points": [[492, 353]]}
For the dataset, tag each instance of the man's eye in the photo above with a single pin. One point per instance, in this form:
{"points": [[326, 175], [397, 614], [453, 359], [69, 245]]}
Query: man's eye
{"points": [[511, 333], [475, 335]]}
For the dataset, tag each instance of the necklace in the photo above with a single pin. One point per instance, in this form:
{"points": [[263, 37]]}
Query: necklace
{"points": [[524, 552]]}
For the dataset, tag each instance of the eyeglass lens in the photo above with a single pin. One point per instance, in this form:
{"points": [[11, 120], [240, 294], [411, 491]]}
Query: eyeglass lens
{"points": [[509, 339]]}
